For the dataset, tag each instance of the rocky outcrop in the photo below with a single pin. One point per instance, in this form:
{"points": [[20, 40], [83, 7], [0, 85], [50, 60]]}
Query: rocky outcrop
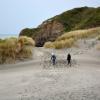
{"points": [[49, 31]]}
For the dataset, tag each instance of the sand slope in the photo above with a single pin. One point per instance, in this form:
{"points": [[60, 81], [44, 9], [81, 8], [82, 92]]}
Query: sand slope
{"points": [[37, 79]]}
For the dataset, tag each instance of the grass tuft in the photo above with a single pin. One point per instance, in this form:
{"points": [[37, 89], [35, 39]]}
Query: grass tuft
{"points": [[49, 45], [80, 34], [15, 48]]}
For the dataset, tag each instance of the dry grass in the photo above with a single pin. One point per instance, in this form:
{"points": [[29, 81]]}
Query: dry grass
{"points": [[25, 52], [64, 43], [49, 45], [68, 39], [24, 40], [80, 34], [60, 44], [7, 51], [12, 49]]}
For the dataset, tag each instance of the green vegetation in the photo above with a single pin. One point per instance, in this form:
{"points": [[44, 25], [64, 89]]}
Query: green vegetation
{"points": [[80, 18], [68, 39], [15, 48], [30, 32]]}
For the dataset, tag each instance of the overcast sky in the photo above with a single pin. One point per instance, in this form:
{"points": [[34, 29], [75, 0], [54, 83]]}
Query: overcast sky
{"points": [[18, 14]]}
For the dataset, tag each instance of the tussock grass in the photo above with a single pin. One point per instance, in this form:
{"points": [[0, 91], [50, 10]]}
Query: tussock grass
{"points": [[60, 44], [25, 52], [68, 39], [80, 34], [64, 43], [49, 45], [24, 40], [12, 49]]}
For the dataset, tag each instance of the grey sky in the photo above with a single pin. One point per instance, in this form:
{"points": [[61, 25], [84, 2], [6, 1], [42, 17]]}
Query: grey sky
{"points": [[18, 14]]}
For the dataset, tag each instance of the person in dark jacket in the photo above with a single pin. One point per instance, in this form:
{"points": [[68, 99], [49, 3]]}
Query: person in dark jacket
{"points": [[53, 59], [69, 59]]}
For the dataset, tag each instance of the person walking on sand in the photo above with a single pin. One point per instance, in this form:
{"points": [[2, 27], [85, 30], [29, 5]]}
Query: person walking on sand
{"points": [[69, 59], [53, 59]]}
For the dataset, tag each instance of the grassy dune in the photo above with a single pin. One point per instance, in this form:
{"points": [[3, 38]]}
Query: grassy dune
{"points": [[15, 48], [68, 39]]}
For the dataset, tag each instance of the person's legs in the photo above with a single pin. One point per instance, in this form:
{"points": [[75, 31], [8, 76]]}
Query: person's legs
{"points": [[69, 62], [53, 62]]}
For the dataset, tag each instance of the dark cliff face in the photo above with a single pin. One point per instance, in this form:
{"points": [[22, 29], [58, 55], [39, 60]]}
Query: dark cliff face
{"points": [[49, 31], [78, 18]]}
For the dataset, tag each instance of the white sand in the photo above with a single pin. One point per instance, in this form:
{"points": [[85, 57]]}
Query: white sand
{"points": [[39, 80]]}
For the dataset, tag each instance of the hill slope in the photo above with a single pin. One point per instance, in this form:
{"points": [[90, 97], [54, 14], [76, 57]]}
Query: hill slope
{"points": [[78, 18]]}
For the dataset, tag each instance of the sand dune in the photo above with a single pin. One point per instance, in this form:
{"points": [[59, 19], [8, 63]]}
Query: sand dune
{"points": [[37, 79]]}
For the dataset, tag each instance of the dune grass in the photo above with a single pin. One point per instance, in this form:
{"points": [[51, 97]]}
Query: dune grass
{"points": [[64, 43], [7, 50], [12, 49], [49, 45], [68, 39], [24, 40], [60, 44], [80, 34]]}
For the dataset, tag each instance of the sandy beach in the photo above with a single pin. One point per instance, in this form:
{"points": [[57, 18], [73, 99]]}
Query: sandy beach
{"points": [[38, 79]]}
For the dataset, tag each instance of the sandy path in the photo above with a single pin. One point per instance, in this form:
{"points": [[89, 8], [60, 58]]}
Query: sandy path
{"points": [[31, 81]]}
